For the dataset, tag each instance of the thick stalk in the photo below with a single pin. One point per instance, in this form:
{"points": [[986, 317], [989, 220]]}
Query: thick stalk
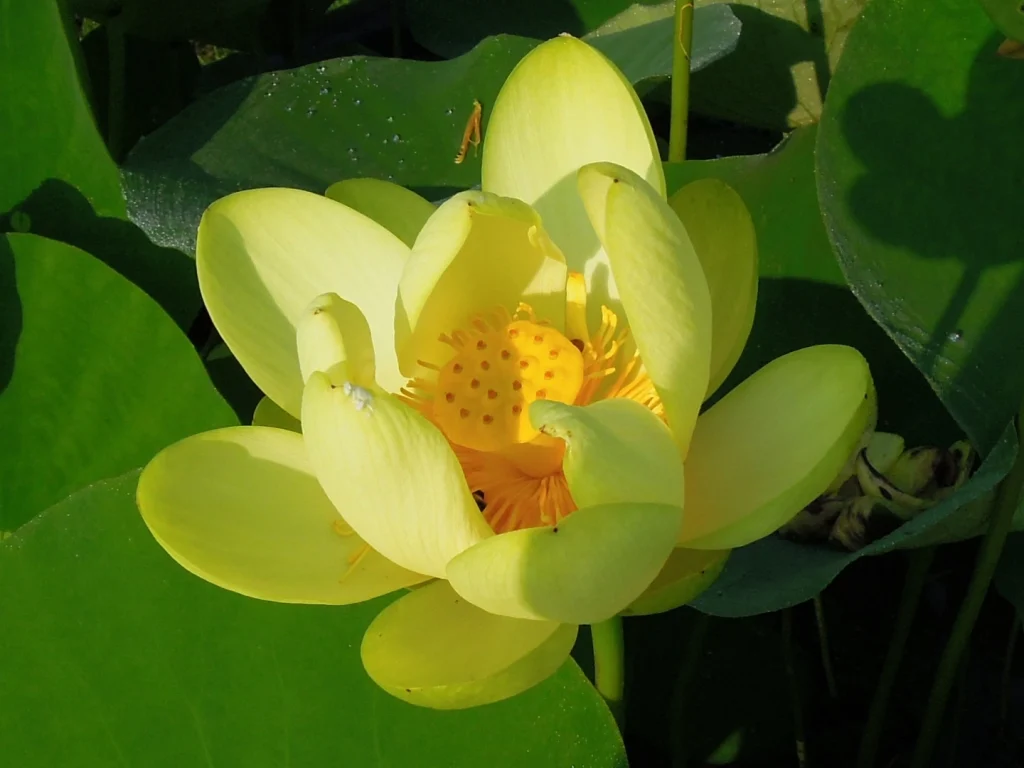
{"points": [[920, 561], [988, 557], [609, 659], [681, 45]]}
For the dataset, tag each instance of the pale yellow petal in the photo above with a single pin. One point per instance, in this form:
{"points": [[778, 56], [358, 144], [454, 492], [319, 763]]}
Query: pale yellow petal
{"points": [[334, 337], [399, 210], [584, 570], [434, 649], [774, 444], [270, 414], [264, 254], [476, 253], [565, 105], [615, 451], [391, 473], [241, 508], [723, 235], [662, 285]]}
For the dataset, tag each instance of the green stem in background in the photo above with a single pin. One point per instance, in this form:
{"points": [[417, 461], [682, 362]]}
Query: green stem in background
{"points": [[920, 561], [826, 657], [1004, 687], [1008, 500], [684, 683], [115, 86], [396, 28], [609, 664], [789, 658], [681, 46]]}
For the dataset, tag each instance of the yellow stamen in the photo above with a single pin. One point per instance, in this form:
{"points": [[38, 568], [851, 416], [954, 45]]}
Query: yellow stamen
{"points": [[481, 396]]}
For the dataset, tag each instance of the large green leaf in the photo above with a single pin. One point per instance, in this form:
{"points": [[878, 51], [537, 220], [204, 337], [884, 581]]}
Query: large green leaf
{"points": [[920, 166], [94, 377], [45, 120], [803, 300], [124, 658], [310, 127], [780, 70], [58, 179], [639, 40], [453, 27], [1008, 16]]}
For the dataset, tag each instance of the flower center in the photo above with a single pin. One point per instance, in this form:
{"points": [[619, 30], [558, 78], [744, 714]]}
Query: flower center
{"points": [[501, 365], [480, 400]]}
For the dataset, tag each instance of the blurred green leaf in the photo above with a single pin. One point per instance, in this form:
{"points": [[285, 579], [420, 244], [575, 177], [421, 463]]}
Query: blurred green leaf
{"points": [[59, 181], [140, 663], [45, 117], [639, 40], [920, 167], [310, 127], [453, 27], [803, 300], [94, 377], [1007, 15], [225, 22], [780, 70]]}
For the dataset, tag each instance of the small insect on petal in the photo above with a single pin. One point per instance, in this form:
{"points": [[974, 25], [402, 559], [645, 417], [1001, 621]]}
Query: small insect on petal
{"points": [[361, 397], [472, 133]]}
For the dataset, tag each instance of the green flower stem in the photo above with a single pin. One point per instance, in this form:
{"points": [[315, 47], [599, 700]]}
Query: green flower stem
{"points": [[609, 658], [920, 561], [789, 659], [826, 656], [1007, 501], [682, 44], [682, 687], [1004, 687]]}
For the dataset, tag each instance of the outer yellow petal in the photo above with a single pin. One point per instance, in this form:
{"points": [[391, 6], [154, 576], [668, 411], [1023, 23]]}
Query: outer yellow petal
{"points": [[687, 573], [662, 286], [241, 508], [391, 472], [774, 444], [563, 106], [477, 252], [616, 451], [333, 333], [399, 210], [264, 254], [434, 649], [723, 235], [586, 569], [270, 414]]}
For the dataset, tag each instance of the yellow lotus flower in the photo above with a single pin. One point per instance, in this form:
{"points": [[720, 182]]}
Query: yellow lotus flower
{"points": [[497, 396]]}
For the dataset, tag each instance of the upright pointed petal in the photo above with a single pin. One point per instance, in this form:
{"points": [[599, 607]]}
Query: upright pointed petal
{"points": [[477, 252], [615, 451], [264, 254], [586, 569], [564, 106], [774, 444], [391, 473], [433, 649], [399, 210], [241, 508], [722, 233], [662, 286], [334, 337], [686, 574]]}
